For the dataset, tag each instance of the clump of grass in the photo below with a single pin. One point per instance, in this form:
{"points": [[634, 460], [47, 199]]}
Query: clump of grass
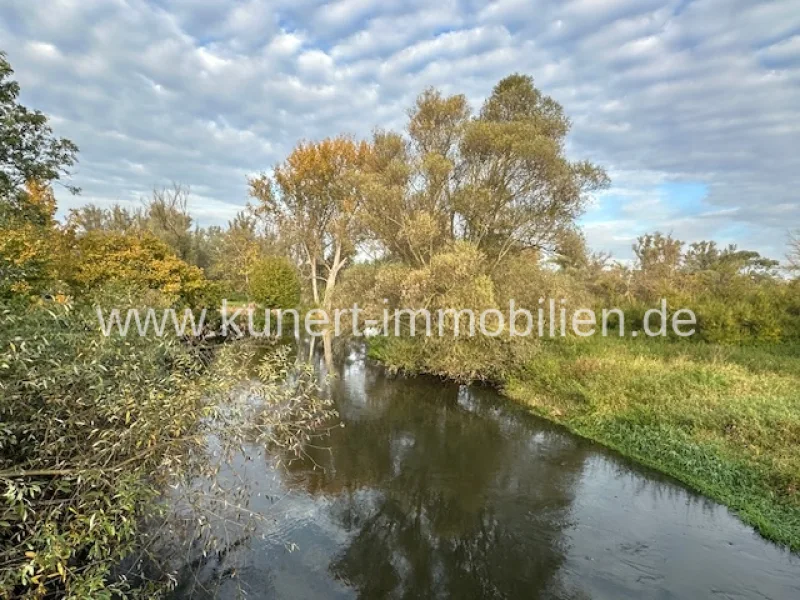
{"points": [[725, 421]]}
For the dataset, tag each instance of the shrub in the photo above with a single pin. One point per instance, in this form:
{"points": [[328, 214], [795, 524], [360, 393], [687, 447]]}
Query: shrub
{"points": [[89, 425], [273, 282], [139, 261], [93, 429]]}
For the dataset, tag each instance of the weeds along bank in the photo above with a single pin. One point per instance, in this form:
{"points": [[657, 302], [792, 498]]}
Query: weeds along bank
{"points": [[724, 420]]}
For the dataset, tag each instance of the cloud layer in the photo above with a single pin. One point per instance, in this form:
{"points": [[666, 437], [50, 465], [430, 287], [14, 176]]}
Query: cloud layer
{"points": [[692, 106]]}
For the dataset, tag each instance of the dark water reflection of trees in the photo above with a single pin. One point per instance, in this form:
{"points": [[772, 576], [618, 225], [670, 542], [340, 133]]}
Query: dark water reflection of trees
{"points": [[443, 495]]}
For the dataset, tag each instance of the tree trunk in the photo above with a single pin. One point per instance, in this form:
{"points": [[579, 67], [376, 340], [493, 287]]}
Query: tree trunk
{"points": [[312, 260], [330, 284]]}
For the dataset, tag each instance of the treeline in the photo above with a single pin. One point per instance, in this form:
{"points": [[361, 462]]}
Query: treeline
{"points": [[469, 209], [155, 246], [238, 259]]}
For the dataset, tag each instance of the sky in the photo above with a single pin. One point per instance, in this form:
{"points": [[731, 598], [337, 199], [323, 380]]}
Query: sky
{"points": [[692, 106]]}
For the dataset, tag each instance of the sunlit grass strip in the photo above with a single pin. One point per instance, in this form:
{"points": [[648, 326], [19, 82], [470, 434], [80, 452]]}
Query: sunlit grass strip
{"points": [[725, 421]]}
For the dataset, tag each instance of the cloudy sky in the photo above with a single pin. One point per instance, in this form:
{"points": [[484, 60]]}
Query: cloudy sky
{"points": [[693, 106]]}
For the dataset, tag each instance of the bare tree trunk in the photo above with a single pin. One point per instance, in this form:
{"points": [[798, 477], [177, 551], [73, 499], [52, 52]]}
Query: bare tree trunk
{"points": [[312, 260], [330, 284], [311, 349]]}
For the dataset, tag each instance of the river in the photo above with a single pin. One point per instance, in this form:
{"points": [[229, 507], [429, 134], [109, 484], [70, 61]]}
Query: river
{"points": [[434, 490]]}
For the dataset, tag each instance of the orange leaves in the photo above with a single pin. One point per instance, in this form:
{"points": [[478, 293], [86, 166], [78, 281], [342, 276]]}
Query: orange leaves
{"points": [[319, 169]]}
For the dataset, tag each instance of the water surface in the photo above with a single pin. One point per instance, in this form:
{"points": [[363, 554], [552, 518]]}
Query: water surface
{"points": [[433, 490]]}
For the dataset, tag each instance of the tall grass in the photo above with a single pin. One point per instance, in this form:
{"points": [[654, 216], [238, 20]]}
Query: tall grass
{"points": [[724, 420]]}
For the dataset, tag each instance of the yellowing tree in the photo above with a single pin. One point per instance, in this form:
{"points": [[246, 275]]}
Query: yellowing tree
{"points": [[31, 243], [313, 199], [144, 261]]}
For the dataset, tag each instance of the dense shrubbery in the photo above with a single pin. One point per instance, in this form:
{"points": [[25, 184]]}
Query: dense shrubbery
{"points": [[140, 261], [92, 427], [455, 279], [273, 283], [733, 304]]}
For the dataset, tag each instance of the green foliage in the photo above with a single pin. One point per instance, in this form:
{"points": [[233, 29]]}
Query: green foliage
{"points": [[273, 283], [28, 149], [455, 280], [94, 429], [89, 424], [499, 180], [723, 420]]}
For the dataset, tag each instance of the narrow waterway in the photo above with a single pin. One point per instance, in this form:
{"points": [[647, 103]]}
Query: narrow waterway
{"points": [[433, 490]]}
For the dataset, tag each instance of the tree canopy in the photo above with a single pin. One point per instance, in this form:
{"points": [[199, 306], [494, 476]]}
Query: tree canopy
{"points": [[29, 151], [499, 179]]}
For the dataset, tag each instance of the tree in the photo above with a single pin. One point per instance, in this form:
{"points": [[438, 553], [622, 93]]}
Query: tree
{"points": [[571, 253], [706, 256], [31, 159], [314, 199], [235, 250], [794, 251], [31, 244], [29, 152], [500, 180], [658, 253]]}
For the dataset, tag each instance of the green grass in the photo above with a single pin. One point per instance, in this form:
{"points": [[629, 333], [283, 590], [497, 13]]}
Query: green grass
{"points": [[724, 420]]}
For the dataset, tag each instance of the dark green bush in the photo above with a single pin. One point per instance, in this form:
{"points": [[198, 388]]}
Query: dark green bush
{"points": [[273, 283]]}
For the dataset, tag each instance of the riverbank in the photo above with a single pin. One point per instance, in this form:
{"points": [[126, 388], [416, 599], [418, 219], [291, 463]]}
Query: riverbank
{"points": [[723, 420]]}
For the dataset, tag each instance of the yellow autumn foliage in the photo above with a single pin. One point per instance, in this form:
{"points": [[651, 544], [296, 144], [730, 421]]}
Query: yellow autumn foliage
{"points": [[142, 260]]}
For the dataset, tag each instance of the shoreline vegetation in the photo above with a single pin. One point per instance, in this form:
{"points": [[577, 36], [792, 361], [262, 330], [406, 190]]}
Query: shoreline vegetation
{"points": [[723, 420]]}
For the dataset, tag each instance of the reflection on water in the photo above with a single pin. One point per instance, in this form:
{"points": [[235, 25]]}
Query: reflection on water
{"points": [[435, 490]]}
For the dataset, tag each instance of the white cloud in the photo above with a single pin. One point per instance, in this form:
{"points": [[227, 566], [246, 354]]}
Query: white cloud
{"points": [[203, 92]]}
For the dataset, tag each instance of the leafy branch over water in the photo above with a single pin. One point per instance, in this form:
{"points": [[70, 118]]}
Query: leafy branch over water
{"points": [[86, 457]]}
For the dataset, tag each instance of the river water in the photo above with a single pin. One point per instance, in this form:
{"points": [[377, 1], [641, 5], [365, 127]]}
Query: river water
{"points": [[434, 490]]}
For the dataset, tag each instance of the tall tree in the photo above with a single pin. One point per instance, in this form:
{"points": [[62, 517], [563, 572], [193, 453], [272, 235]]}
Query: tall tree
{"points": [[29, 152], [235, 250], [706, 256], [314, 199], [500, 180], [166, 215], [31, 159]]}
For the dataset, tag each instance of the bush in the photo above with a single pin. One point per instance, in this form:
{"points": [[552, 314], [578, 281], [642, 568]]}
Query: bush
{"points": [[455, 279], [273, 283], [91, 427], [140, 261]]}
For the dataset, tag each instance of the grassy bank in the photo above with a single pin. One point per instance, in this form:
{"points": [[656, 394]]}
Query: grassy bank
{"points": [[725, 421]]}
